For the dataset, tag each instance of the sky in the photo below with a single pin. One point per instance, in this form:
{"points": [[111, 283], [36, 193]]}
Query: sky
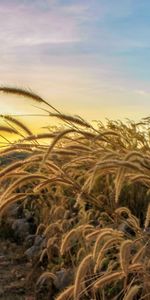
{"points": [[85, 57]]}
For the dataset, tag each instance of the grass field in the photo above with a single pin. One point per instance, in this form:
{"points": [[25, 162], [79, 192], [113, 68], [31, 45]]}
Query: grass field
{"points": [[86, 192]]}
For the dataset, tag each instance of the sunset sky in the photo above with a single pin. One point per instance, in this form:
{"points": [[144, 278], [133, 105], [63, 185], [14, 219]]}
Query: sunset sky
{"points": [[85, 57]]}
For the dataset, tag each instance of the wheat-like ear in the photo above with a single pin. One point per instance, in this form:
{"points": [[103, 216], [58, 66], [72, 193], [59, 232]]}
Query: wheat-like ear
{"points": [[123, 209], [140, 177], [42, 185], [11, 167], [51, 242], [130, 165], [104, 248], [56, 139], [135, 221], [79, 147], [46, 276], [52, 166], [22, 180], [69, 238], [131, 222], [107, 133], [147, 219], [135, 267], [86, 134], [54, 179], [35, 137], [121, 173], [80, 275], [10, 200], [134, 154], [87, 231], [101, 236], [118, 182], [139, 255], [40, 229], [81, 253], [28, 94], [15, 165], [23, 92], [27, 148], [8, 129], [65, 152], [14, 175], [16, 148], [93, 235], [66, 294], [132, 292], [102, 166], [105, 233], [17, 122], [75, 162], [72, 119], [125, 255], [106, 279], [43, 254]]}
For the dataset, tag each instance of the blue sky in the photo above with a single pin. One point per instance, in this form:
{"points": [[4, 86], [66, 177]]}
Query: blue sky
{"points": [[87, 57]]}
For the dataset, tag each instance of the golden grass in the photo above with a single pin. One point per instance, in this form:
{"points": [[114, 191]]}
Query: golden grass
{"points": [[67, 294], [83, 268], [132, 292], [106, 279], [8, 129], [17, 123], [89, 188], [125, 255]]}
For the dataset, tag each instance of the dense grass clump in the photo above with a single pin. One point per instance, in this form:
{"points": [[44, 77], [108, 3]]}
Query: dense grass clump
{"points": [[89, 190]]}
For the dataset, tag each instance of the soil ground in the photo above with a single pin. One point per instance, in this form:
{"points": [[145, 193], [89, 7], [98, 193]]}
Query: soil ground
{"points": [[14, 271]]}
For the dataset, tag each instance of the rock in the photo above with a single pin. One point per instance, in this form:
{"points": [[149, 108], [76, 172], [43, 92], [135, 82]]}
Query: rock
{"points": [[12, 211], [31, 252], [36, 248], [21, 229], [39, 240], [29, 241], [63, 279]]}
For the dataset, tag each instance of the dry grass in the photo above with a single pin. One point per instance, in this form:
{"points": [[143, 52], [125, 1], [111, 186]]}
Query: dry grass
{"points": [[89, 189]]}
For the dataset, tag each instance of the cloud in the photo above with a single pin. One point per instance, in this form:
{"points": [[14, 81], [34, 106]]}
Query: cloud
{"points": [[74, 27], [27, 25], [142, 93], [75, 49]]}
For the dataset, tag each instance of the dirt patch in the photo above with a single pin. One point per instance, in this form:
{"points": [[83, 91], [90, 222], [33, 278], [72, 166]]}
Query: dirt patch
{"points": [[14, 270]]}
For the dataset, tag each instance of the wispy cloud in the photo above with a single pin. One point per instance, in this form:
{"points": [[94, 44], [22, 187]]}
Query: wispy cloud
{"points": [[73, 49], [142, 93], [26, 24]]}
